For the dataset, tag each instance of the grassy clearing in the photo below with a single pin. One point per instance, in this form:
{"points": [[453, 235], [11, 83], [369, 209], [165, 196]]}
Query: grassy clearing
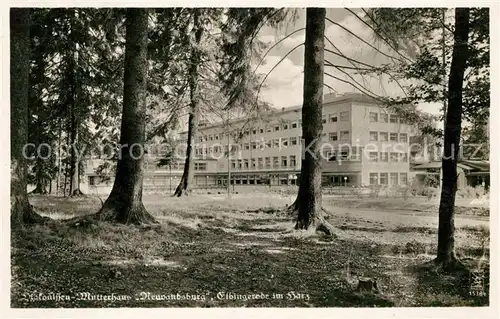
{"points": [[211, 249]]}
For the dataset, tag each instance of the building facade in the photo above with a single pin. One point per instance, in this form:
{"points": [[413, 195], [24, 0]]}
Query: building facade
{"points": [[361, 144]]}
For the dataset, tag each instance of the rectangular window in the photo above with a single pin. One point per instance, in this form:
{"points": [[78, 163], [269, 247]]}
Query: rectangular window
{"points": [[394, 178], [276, 143], [373, 117], [276, 162], [344, 136], [323, 120], [383, 179], [293, 140], [384, 157], [285, 126], [245, 164], [393, 118], [394, 137], [261, 131], [333, 118], [240, 163], [333, 136], [373, 178], [217, 137], [344, 116], [259, 162], [403, 178], [254, 145], [293, 161], [354, 154], [276, 128], [384, 117], [268, 162], [373, 136], [284, 141], [210, 138], [284, 161], [373, 156], [254, 165], [403, 157], [394, 157], [344, 155], [294, 124], [384, 137], [254, 132], [246, 146], [403, 137]]}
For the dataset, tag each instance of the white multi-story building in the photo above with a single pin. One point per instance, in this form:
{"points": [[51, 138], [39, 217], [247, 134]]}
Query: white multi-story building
{"points": [[363, 144]]}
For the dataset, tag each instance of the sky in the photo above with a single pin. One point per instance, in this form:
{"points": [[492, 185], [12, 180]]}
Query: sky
{"points": [[284, 85]]}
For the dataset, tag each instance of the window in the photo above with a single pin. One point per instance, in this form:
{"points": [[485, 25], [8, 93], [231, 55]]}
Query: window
{"points": [[254, 132], [384, 157], [233, 163], [240, 163], [403, 157], [285, 126], [393, 118], [276, 162], [333, 136], [403, 137], [284, 141], [91, 180], [344, 155], [331, 156], [384, 117], [323, 120], [373, 178], [254, 145], [293, 161], [254, 162], [394, 178], [269, 129], [268, 162], [293, 140], [284, 161], [373, 156], [259, 162], [246, 146], [383, 179], [344, 116], [373, 136], [355, 154], [245, 164], [268, 144], [200, 166], [384, 137], [394, 137], [276, 128], [216, 137], [373, 117], [333, 118], [210, 137], [276, 142], [403, 178], [294, 124], [344, 136], [394, 157], [261, 131]]}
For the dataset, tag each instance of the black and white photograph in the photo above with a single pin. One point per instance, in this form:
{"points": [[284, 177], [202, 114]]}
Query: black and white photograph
{"points": [[249, 157]]}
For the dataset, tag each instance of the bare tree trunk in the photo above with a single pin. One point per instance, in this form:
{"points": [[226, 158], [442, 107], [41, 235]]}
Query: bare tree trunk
{"points": [[124, 204], [452, 129], [309, 199], [21, 210], [184, 186]]}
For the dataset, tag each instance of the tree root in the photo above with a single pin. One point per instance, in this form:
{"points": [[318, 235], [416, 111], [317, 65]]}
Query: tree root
{"points": [[453, 265], [27, 216], [77, 193], [135, 215]]}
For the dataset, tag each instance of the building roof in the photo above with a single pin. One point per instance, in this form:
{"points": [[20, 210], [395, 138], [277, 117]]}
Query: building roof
{"points": [[470, 165]]}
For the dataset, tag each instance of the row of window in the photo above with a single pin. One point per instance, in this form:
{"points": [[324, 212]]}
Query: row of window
{"points": [[383, 117], [265, 162], [388, 156], [386, 137], [388, 178]]}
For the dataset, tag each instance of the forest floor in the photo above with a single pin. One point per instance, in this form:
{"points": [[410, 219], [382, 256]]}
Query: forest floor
{"points": [[209, 251]]}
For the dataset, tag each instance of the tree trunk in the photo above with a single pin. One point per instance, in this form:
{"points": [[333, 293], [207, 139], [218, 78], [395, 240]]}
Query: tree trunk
{"points": [[21, 210], [310, 212], [452, 129], [124, 204], [184, 187]]}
